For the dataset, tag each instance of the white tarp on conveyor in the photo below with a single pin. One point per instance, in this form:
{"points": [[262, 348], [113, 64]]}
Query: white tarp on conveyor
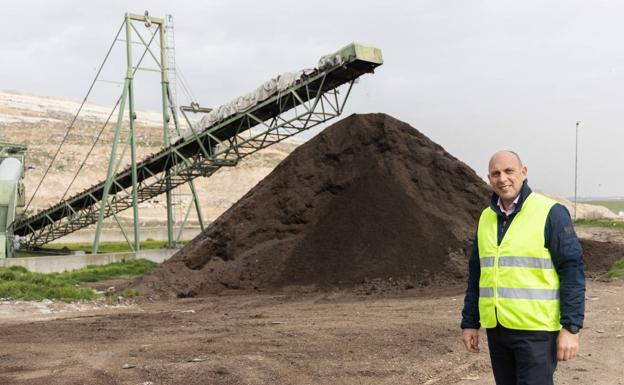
{"points": [[266, 90]]}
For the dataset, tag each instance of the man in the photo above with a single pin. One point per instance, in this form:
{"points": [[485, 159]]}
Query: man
{"points": [[526, 283]]}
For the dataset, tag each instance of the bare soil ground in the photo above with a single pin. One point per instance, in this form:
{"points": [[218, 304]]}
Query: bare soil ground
{"points": [[407, 337]]}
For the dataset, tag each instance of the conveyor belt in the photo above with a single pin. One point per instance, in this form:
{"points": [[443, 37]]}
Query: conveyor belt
{"points": [[316, 96]]}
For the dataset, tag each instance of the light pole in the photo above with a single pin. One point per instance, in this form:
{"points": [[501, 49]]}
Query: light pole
{"points": [[578, 123]]}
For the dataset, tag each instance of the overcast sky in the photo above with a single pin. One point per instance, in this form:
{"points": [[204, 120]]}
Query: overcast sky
{"points": [[474, 76]]}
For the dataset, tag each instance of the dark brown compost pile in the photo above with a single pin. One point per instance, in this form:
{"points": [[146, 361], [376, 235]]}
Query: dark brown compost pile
{"points": [[369, 199]]}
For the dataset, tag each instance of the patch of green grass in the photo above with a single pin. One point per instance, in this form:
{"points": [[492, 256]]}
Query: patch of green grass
{"points": [[109, 247], [617, 271], [18, 283], [600, 223], [127, 269]]}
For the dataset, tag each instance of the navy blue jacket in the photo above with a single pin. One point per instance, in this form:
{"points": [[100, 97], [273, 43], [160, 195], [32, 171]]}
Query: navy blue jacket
{"points": [[567, 257]]}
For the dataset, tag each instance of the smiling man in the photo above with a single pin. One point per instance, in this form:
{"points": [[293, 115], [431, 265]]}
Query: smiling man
{"points": [[526, 282]]}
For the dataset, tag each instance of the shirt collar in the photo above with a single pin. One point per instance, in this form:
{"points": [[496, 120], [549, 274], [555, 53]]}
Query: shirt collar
{"points": [[512, 207]]}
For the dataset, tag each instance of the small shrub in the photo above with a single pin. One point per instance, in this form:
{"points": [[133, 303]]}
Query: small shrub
{"points": [[7, 275], [18, 269]]}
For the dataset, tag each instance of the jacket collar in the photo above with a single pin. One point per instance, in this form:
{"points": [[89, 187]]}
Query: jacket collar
{"points": [[525, 191]]}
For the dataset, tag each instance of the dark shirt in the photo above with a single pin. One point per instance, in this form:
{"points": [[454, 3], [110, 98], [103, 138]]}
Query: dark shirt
{"points": [[566, 253]]}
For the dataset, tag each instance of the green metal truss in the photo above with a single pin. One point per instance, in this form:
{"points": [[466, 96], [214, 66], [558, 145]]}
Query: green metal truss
{"points": [[313, 100]]}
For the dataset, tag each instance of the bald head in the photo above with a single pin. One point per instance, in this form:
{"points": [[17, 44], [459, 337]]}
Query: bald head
{"points": [[506, 155], [506, 174]]}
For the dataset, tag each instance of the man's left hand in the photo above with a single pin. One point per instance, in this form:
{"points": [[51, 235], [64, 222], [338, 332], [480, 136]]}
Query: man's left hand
{"points": [[567, 345]]}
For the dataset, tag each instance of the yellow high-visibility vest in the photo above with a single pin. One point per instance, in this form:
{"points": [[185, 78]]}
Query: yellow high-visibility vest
{"points": [[519, 285]]}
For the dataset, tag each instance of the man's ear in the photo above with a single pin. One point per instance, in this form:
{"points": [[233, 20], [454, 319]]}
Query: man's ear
{"points": [[525, 171]]}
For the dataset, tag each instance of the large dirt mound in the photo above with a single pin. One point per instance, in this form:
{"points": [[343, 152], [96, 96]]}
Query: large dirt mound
{"points": [[368, 198], [368, 202]]}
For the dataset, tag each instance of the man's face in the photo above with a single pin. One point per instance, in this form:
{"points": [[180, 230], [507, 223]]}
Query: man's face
{"points": [[506, 175]]}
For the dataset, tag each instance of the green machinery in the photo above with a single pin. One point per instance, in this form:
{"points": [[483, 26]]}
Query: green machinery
{"points": [[12, 196], [311, 99]]}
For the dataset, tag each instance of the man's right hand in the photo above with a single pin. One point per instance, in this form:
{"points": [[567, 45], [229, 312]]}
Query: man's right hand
{"points": [[471, 340]]}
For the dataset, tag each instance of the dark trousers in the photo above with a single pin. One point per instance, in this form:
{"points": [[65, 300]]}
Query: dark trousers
{"points": [[522, 357]]}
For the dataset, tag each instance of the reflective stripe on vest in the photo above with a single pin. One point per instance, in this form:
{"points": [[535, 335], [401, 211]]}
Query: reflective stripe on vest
{"points": [[518, 286], [508, 292], [541, 263]]}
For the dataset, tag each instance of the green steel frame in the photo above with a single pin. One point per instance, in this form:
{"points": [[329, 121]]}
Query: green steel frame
{"points": [[128, 95], [314, 99]]}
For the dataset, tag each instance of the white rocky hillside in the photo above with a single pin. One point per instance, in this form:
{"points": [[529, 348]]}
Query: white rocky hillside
{"points": [[40, 122], [586, 211]]}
